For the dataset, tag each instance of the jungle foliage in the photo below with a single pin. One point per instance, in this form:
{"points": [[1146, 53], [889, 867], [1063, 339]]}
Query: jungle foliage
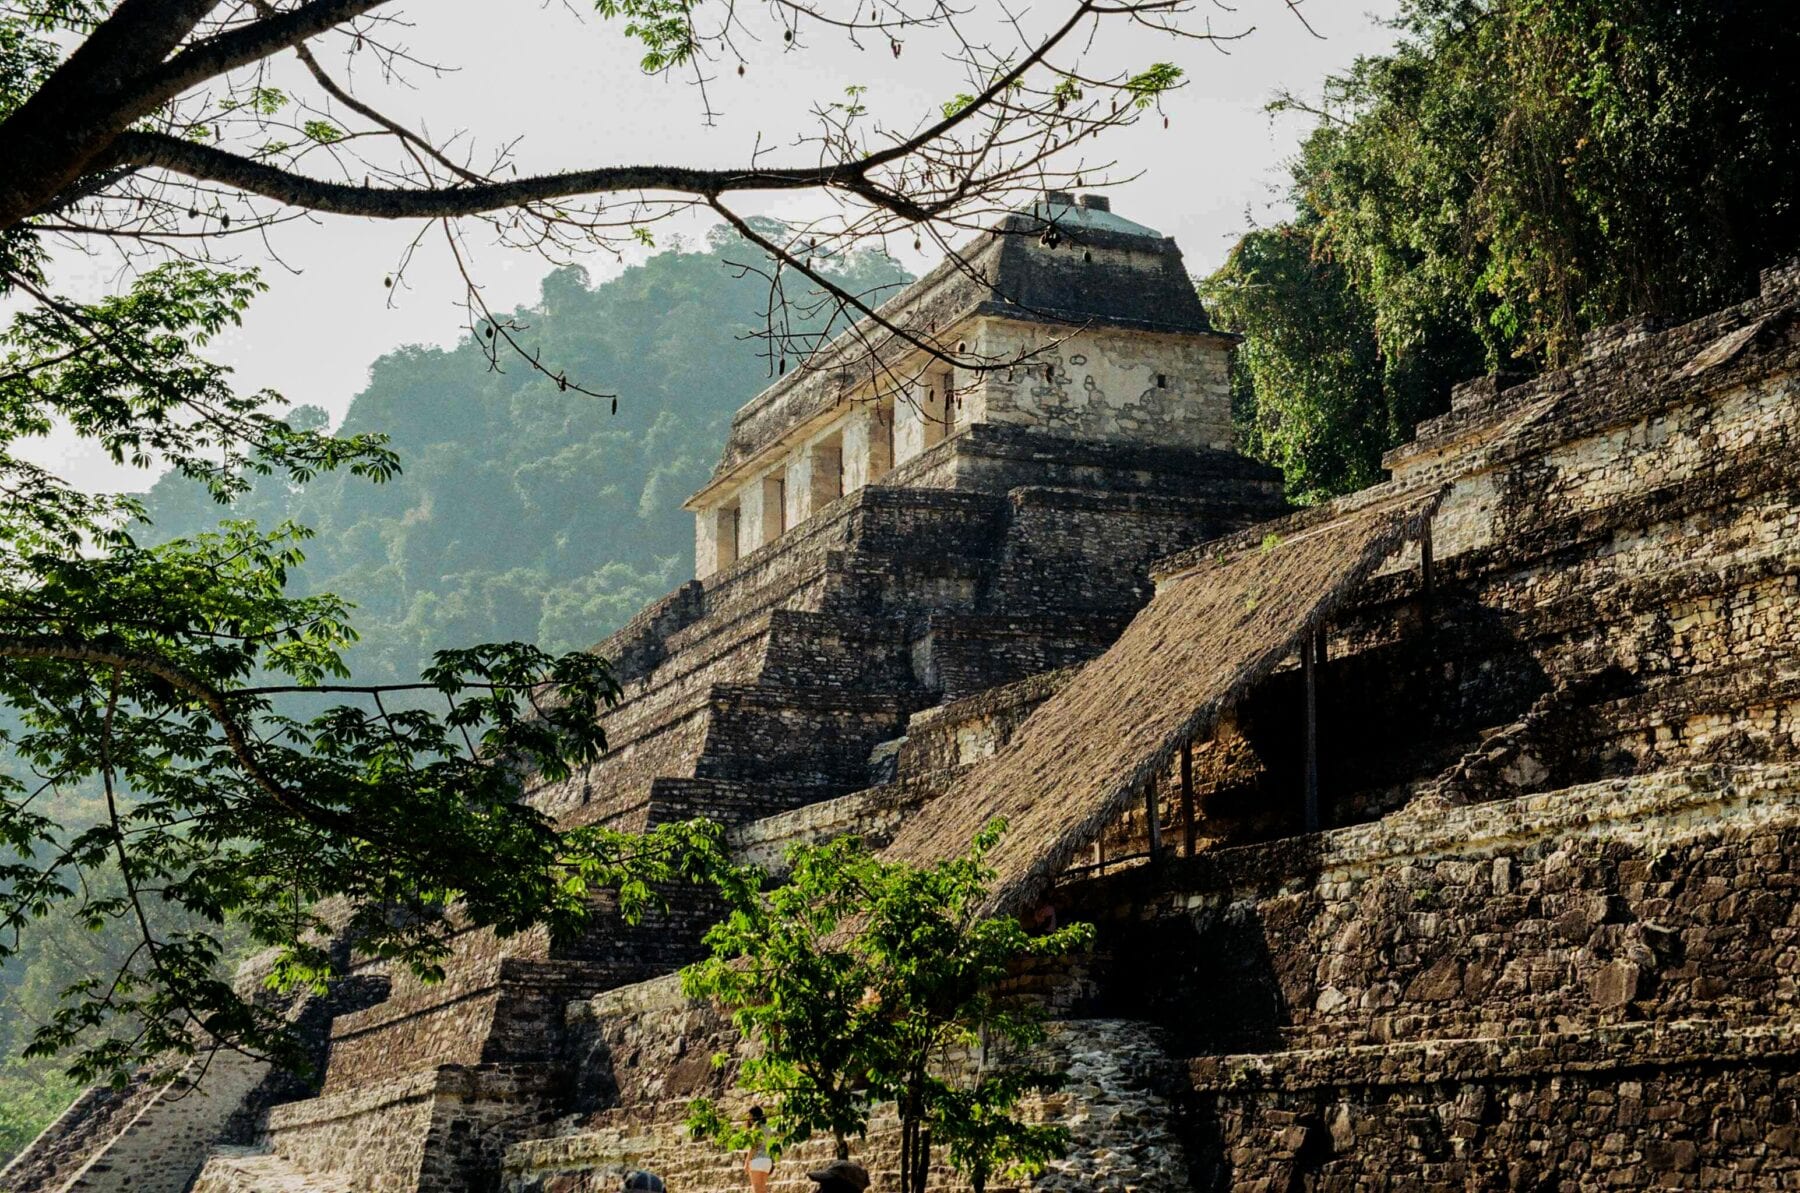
{"points": [[1514, 174], [853, 980]]}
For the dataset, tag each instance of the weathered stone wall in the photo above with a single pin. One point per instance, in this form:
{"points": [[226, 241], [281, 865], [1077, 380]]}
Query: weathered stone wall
{"points": [[649, 1052], [502, 999], [1638, 1107], [1108, 384], [991, 458], [961, 732], [441, 1128], [1616, 589], [873, 814], [232, 1168], [1468, 993]]}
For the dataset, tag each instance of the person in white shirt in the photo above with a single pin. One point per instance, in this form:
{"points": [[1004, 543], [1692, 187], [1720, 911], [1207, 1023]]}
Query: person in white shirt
{"points": [[758, 1163]]}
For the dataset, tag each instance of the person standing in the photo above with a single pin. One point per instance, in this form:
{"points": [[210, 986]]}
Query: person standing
{"points": [[759, 1164]]}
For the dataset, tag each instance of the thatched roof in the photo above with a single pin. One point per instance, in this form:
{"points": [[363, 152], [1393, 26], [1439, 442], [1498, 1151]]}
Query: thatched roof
{"points": [[1210, 633]]}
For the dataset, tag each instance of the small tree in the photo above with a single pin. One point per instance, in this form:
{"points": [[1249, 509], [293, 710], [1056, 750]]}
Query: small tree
{"points": [[977, 1127], [856, 982], [797, 994]]}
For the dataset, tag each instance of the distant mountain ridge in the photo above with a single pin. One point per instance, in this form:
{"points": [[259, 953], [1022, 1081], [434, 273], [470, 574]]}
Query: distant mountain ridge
{"points": [[524, 512]]}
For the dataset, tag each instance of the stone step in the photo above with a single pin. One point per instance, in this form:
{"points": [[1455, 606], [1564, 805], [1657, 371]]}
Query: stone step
{"points": [[247, 1170], [807, 736], [1523, 1057], [664, 729]]}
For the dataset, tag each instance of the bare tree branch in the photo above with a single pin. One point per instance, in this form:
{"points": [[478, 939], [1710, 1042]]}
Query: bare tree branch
{"points": [[159, 150], [171, 145]]}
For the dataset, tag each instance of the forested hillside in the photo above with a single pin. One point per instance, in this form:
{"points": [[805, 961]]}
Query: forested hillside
{"points": [[525, 512]]}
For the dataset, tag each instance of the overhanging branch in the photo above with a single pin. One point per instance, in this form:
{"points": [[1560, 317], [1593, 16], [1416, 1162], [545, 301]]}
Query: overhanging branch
{"points": [[148, 150], [236, 739], [246, 44]]}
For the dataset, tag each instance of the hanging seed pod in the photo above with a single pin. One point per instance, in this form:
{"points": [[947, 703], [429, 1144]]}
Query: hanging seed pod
{"points": [[740, 70], [388, 281], [490, 331], [615, 404]]}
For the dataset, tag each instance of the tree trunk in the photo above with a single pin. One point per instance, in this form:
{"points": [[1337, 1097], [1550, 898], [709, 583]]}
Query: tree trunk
{"points": [[906, 1126]]}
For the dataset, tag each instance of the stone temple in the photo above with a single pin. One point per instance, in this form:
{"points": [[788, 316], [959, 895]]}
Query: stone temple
{"points": [[1442, 836]]}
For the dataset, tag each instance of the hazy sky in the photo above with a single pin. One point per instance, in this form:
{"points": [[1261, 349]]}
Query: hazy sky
{"points": [[570, 90]]}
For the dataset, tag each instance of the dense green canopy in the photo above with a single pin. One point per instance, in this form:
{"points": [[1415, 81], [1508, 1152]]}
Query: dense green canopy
{"points": [[1513, 174]]}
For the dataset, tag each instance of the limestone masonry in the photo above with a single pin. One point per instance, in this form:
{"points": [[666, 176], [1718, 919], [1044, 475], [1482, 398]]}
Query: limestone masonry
{"points": [[1541, 937]]}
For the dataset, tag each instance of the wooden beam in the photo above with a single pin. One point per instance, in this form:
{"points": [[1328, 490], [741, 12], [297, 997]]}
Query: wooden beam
{"points": [[1187, 798], [1309, 651], [1153, 817], [1427, 581]]}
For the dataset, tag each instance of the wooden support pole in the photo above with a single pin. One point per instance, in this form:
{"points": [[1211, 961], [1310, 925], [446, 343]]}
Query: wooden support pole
{"points": [[1427, 582], [1309, 651], [1187, 798], [1153, 818]]}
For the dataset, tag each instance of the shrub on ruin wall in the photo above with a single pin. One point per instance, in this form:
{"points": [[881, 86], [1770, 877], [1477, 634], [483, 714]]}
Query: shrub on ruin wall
{"points": [[858, 982]]}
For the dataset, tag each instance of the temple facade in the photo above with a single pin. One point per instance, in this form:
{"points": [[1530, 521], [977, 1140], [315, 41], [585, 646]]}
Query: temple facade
{"points": [[1065, 319]]}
